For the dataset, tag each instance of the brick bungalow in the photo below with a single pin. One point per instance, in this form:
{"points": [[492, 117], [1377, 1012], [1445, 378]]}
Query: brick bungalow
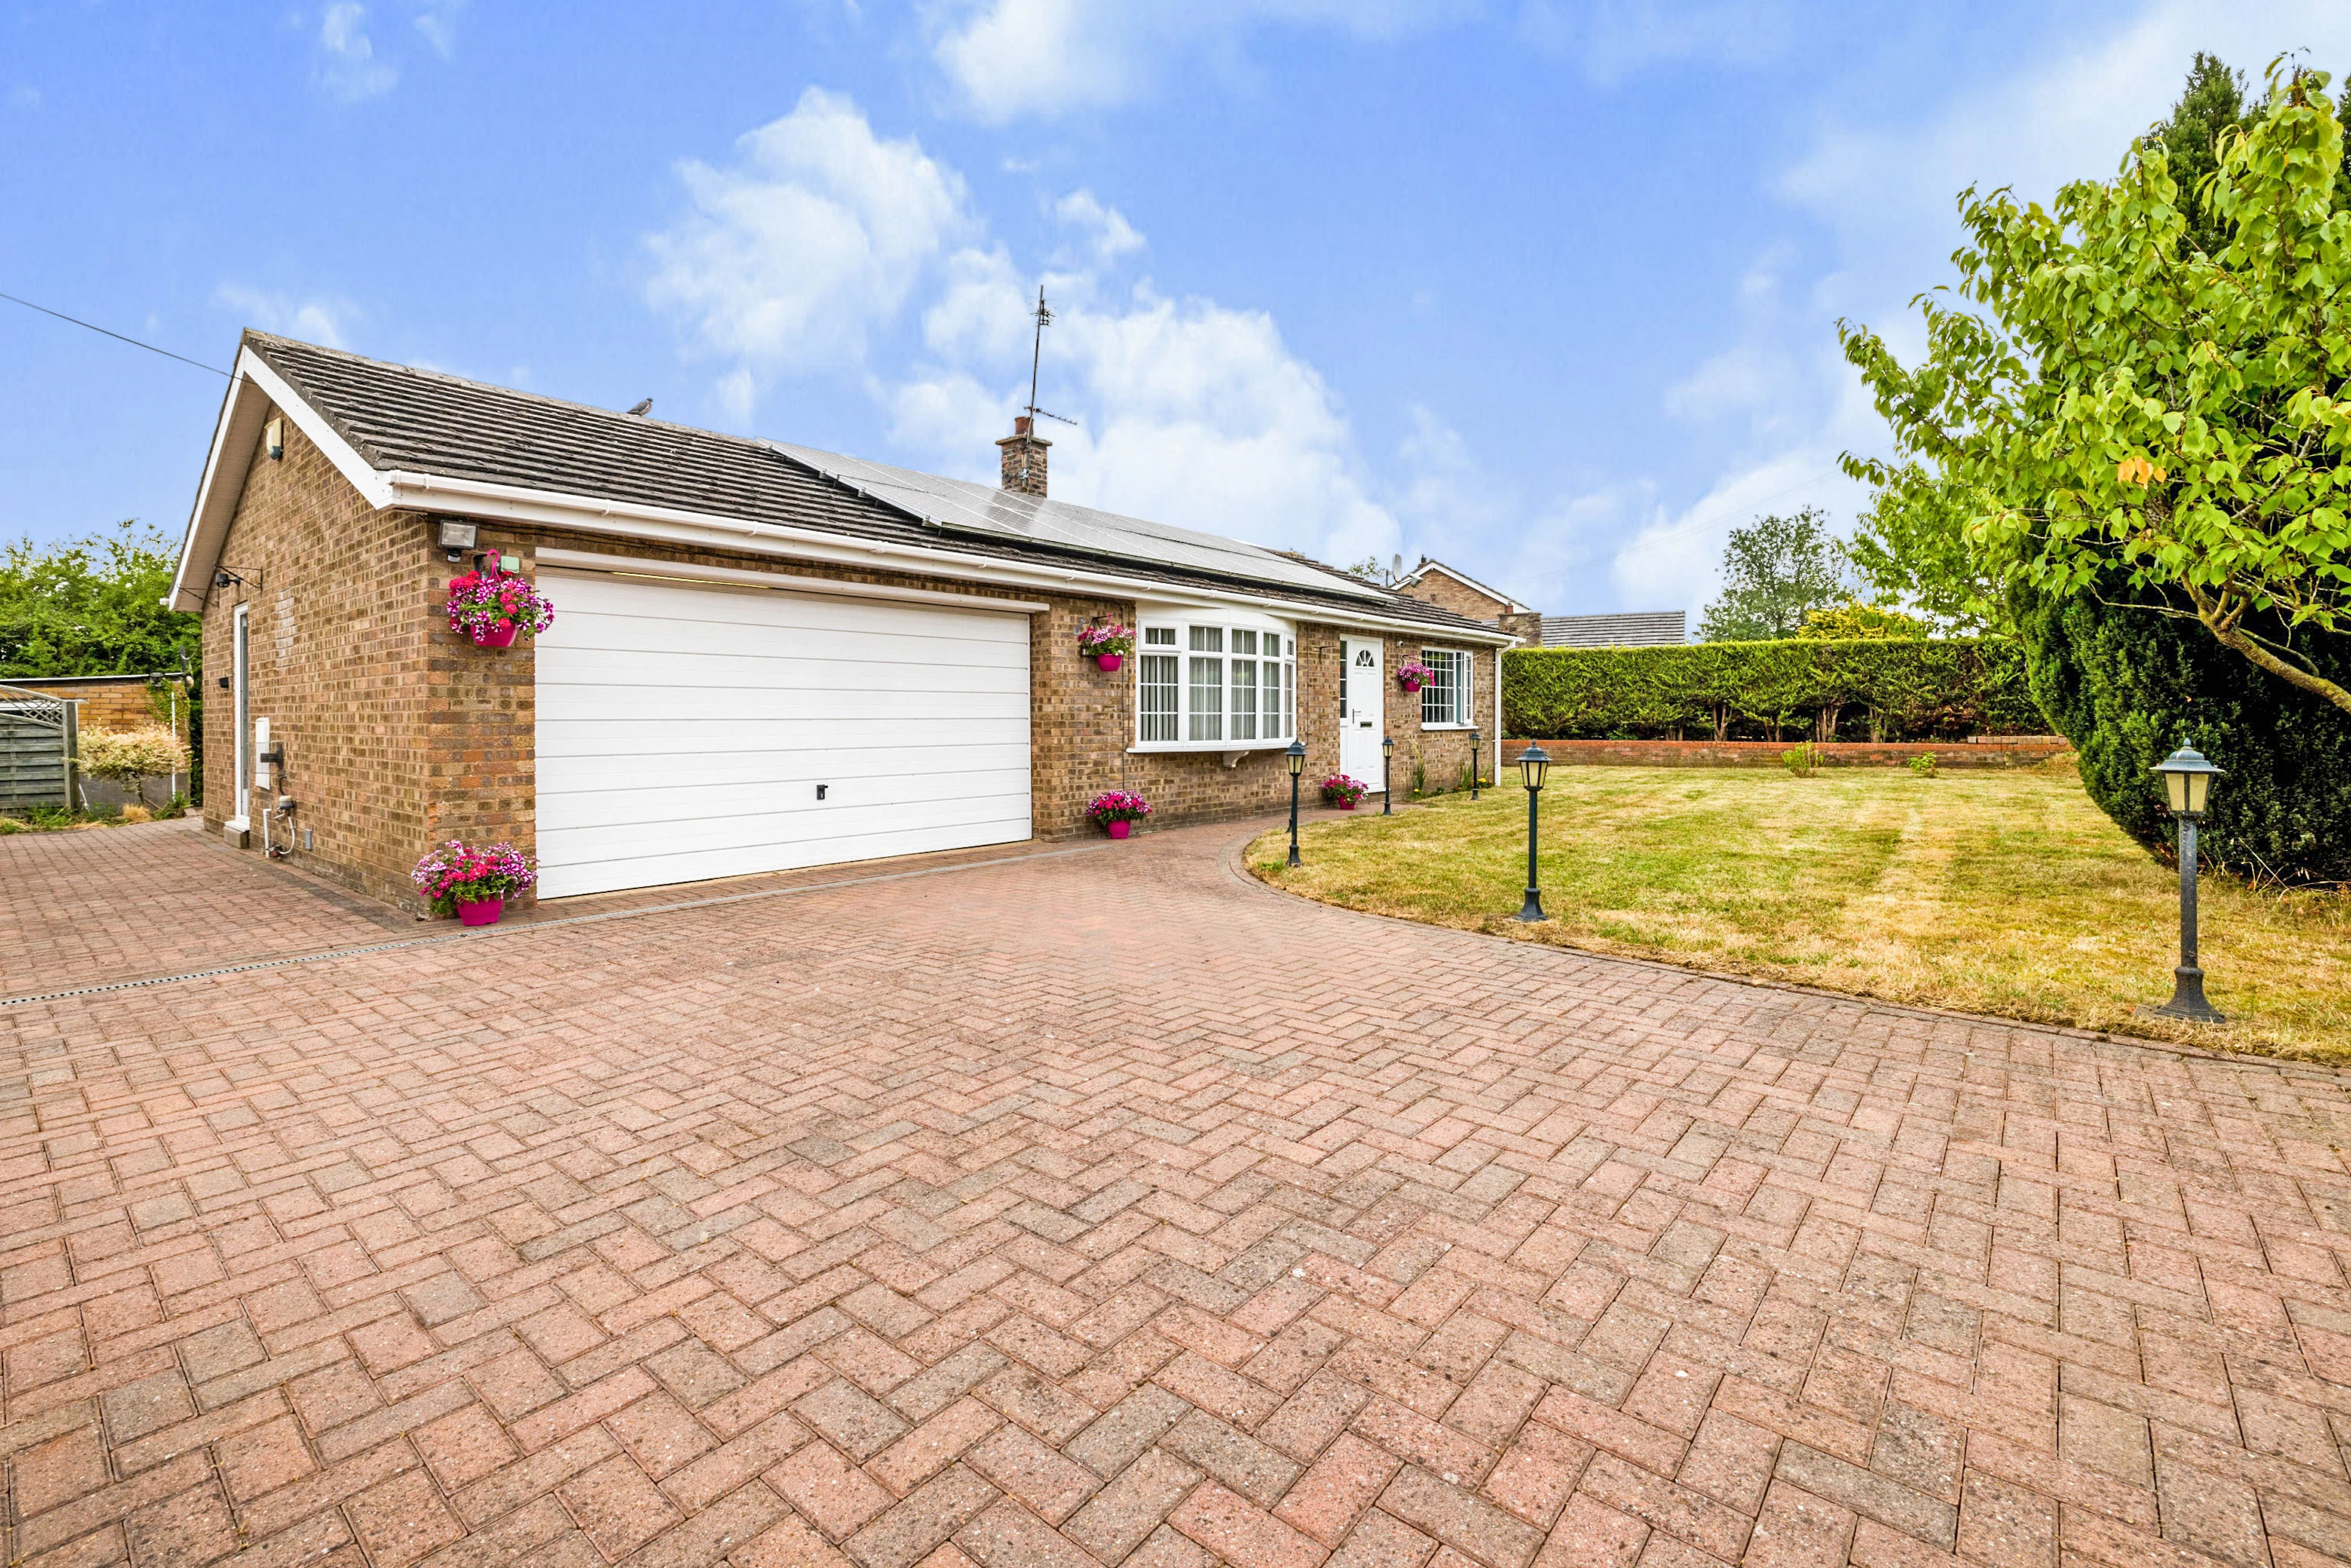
{"points": [[763, 656]]}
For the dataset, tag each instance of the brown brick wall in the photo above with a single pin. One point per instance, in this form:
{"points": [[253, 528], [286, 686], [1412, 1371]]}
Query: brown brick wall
{"points": [[1447, 593], [399, 734], [395, 732], [110, 704], [1440, 756]]}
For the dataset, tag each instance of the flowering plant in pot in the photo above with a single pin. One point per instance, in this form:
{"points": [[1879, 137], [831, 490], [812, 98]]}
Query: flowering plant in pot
{"points": [[1412, 675], [1117, 810], [472, 883], [494, 608], [1107, 646], [1343, 792]]}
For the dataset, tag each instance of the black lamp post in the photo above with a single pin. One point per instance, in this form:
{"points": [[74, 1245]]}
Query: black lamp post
{"points": [[1295, 760], [1533, 763], [2188, 788], [1473, 765], [1387, 755]]}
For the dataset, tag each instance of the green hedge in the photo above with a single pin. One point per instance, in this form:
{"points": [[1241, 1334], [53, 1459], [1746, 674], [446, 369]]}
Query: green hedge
{"points": [[1861, 689]]}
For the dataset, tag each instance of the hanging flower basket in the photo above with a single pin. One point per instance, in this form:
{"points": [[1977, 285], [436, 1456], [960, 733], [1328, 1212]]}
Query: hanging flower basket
{"points": [[472, 884], [1117, 811], [1107, 646], [1412, 675], [1343, 792], [492, 609]]}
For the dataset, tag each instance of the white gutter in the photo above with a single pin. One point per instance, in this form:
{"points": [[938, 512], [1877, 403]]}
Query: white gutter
{"points": [[788, 582], [669, 525]]}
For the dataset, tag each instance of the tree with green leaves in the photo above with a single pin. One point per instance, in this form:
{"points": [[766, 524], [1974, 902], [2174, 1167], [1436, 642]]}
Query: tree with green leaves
{"points": [[1774, 572], [92, 606], [2117, 427]]}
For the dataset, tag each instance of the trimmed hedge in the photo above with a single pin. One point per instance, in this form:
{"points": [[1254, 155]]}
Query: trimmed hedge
{"points": [[1885, 690]]}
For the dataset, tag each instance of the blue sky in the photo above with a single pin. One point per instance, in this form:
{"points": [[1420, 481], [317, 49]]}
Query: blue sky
{"points": [[1543, 288]]}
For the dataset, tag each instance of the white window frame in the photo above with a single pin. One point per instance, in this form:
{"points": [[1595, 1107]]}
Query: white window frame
{"points": [[1463, 664], [1191, 717]]}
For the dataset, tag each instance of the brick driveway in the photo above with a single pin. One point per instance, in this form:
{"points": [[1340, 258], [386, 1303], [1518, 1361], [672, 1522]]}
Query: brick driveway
{"points": [[1106, 1208]]}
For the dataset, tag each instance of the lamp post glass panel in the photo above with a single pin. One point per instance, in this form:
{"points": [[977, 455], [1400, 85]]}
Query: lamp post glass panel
{"points": [[1533, 763], [1295, 760], [1387, 755], [2188, 791]]}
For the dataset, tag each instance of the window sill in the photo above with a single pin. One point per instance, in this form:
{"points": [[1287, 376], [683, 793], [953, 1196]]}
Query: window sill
{"points": [[1205, 747], [1463, 728]]}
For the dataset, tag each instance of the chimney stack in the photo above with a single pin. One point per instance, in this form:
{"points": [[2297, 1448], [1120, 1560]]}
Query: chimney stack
{"points": [[1024, 457]]}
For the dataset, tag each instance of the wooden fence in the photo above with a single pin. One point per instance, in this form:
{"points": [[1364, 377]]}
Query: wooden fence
{"points": [[39, 746]]}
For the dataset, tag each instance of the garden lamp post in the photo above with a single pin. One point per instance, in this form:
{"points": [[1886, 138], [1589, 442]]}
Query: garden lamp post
{"points": [[1295, 760], [1387, 755], [1473, 765], [2187, 789], [1533, 763]]}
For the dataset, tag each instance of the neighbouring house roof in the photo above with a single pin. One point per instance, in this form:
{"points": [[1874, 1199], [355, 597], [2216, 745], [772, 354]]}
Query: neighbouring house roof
{"points": [[1642, 629], [1510, 605], [435, 443]]}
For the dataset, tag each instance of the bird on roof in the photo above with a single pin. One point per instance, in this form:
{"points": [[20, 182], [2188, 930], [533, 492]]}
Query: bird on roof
{"points": [[644, 407]]}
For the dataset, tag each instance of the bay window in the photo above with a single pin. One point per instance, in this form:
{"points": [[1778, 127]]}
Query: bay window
{"points": [[1219, 684], [1446, 700]]}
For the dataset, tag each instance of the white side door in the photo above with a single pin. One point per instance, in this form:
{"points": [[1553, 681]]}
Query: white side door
{"points": [[1364, 697]]}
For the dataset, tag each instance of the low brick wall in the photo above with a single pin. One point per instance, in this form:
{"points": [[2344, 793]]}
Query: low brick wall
{"points": [[2020, 751]]}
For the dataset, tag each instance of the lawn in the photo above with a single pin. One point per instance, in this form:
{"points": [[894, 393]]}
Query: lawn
{"points": [[2003, 892]]}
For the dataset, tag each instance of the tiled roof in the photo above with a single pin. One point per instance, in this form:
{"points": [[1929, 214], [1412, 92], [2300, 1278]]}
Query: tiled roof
{"points": [[401, 419], [1643, 629]]}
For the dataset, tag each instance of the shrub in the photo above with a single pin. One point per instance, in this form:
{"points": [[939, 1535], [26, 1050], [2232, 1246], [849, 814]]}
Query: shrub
{"points": [[1947, 687], [1855, 621], [127, 756], [2126, 684], [1924, 766], [1803, 761]]}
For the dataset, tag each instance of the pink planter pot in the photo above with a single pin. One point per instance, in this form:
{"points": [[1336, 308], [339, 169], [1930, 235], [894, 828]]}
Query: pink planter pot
{"points": [[1344, 805], [502, 635], [1120, 830], [1409, 686], [1108, 661], [485, 912]]}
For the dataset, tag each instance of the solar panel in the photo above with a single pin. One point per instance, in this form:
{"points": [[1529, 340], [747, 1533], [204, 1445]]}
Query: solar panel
{"points": [[986, 509]]}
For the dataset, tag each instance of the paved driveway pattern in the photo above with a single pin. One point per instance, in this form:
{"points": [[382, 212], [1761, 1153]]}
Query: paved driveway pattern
{"points": [[1107, 1209]]}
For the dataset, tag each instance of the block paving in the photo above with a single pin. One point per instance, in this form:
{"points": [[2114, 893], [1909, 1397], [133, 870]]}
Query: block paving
{"points": [[1111, 1209]]}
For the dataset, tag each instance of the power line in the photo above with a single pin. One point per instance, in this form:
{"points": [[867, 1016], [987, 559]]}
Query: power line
{"points": [[118, 336]]}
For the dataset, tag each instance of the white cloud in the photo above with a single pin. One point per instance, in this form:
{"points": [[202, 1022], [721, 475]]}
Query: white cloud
{"points": [[437, 20], [788, 259], [27, 99], [1613, 39], [348, 67], [1109, 235], [314, 320], [1006, 58]]}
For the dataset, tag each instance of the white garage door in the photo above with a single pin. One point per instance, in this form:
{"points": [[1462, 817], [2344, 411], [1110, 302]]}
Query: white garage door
{"points": [[686, 732]]}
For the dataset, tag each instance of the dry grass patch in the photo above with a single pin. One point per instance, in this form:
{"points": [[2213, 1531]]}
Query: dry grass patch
{"points": [[2007, 893]]}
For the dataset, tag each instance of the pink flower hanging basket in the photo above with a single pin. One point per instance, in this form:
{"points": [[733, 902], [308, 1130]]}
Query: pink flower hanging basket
{"points": [[480, 912], [1108, 661], [502, 635]]}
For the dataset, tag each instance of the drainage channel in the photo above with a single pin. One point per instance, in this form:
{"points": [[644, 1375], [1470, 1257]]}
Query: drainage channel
{"points": [[491, 933]]}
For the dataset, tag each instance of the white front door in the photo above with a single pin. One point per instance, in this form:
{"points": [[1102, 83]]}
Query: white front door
{"points": [[1362, 698]]}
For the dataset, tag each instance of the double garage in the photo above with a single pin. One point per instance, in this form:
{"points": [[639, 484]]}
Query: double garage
{"points": [[690, 728]]}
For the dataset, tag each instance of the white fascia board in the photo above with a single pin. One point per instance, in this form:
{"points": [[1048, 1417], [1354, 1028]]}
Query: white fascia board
{"points": [[629, 519], [253, 388], [651, 569]]}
